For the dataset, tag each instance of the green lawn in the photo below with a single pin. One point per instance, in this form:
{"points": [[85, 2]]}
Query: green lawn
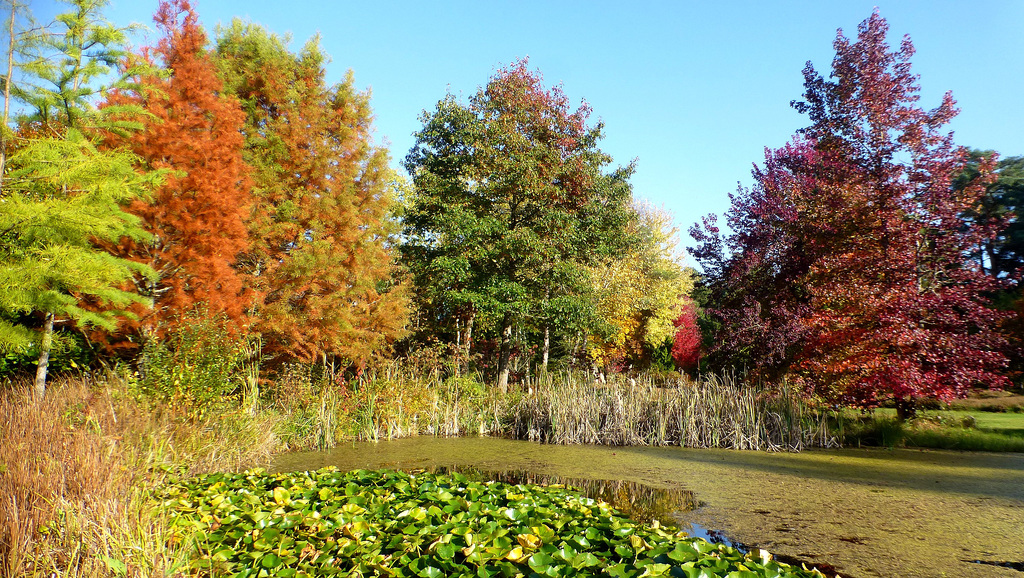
{"points": [[999, 422]]}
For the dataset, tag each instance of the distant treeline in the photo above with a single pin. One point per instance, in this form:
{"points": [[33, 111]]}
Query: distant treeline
{"points": [[226, 178]]}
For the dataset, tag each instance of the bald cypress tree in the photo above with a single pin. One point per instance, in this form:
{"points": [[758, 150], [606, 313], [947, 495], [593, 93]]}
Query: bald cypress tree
{"points": [[320, 228], [197, 218]]}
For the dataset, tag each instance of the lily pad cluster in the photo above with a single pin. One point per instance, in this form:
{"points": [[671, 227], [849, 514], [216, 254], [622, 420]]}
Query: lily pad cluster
{"points": [[387, 523]]}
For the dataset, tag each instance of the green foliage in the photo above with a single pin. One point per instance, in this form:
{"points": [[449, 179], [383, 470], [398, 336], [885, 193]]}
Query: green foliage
{"points": [[512, 202], [941, 430], [60, 196], [429, 525], [70, 352], [197, 366], [71, 67]]}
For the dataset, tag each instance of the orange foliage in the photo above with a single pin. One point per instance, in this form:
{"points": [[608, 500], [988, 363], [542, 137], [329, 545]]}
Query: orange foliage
{"points": [[198, 216], [321, 223]]}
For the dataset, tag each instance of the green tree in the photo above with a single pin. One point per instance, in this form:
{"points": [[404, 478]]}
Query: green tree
{"points": [[1000, 208], [510, 205], [60, 194]]}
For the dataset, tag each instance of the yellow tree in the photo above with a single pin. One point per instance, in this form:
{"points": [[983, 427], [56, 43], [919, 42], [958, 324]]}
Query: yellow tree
{"points": [[639, 294]]}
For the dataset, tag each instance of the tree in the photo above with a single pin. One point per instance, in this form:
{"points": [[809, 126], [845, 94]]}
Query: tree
{"points": [[510, 205], [859, 216], [686, 343], [197, 218], [1003, 254], [753, 284], [322, 225], [898, 311], [638, 292], [61, 194]]}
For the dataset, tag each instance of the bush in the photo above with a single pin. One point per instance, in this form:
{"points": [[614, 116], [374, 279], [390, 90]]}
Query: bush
{"points": [[197, 366]]}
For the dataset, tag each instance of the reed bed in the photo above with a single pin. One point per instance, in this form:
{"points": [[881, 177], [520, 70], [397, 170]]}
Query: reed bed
{"points": [[714, 413]]}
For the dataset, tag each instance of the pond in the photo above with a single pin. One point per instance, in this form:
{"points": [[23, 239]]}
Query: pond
{"points": [[865, 512]]}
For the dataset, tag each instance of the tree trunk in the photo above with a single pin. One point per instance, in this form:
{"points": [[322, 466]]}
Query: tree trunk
{"points": [[506, 350], [905, 408], [7, 92], [44, 357], [547, 348], [468, 341], [547, 333]]}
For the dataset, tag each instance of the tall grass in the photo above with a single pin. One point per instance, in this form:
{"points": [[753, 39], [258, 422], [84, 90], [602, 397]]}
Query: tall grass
{"points": [[77, 466], [713, 413], [571, 408]]}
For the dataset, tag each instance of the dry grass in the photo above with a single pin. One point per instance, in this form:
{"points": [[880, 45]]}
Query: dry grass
{"points": [[566, 408], [76, 469], [714, 413]]}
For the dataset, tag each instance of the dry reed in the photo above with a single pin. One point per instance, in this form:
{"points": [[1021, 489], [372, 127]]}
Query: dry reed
{"points": [[713, 413]]}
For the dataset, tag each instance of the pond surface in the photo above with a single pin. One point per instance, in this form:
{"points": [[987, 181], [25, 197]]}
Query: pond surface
{"points": [[865, 512]]}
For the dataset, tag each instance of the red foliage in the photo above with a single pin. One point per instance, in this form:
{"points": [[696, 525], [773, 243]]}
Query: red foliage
{"points": [[197, 217], [687, 341], [850, 257]]}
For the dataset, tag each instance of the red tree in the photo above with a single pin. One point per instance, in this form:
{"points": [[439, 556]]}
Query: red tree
{"points": [[754, 277], [898, 308], [687, 340], [198, 216], [850, 257]]}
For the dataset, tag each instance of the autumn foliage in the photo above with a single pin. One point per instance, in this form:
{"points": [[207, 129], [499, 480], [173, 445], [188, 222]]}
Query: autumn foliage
{"points": [[323, 196], [197, 218], [512, 202], [849, 267], [686, 342]]}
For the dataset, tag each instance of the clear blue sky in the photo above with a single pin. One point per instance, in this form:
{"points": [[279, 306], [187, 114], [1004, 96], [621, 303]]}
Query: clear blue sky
{"points": [[693, 90]]}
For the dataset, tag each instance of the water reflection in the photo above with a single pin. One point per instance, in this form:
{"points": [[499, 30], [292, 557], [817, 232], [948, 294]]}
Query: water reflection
{"points": [[641, 502]]}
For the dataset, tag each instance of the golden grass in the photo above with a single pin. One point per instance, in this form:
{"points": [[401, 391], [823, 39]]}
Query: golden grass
{"points": [[77, 466], [712, 413]]}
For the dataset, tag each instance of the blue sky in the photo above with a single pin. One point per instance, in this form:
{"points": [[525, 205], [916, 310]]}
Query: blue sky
{"points": [[694, 91]]}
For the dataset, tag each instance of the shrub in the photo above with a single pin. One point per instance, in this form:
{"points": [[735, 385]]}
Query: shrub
{"points": [[197, 366]]}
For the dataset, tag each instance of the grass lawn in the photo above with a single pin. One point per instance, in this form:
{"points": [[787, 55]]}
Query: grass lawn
{"points": [[997, 422]]}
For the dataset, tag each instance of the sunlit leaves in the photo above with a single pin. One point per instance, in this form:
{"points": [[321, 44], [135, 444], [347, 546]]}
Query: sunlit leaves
{"points": [[429, 526], [197, 217], [512, 201], [849, 261]]}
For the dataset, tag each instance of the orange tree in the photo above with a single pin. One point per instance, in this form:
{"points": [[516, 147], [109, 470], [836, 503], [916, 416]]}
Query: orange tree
{"points": [[197, 218], [321, 226]]}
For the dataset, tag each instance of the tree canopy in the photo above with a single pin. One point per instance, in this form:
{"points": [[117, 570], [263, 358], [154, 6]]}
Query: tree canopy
{"points": [[849, 267], [321, 227], [61, 193], [511, 202]]}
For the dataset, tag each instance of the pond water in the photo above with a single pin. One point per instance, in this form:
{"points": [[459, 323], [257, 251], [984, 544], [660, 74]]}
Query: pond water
{"points": [[863, 512]]}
